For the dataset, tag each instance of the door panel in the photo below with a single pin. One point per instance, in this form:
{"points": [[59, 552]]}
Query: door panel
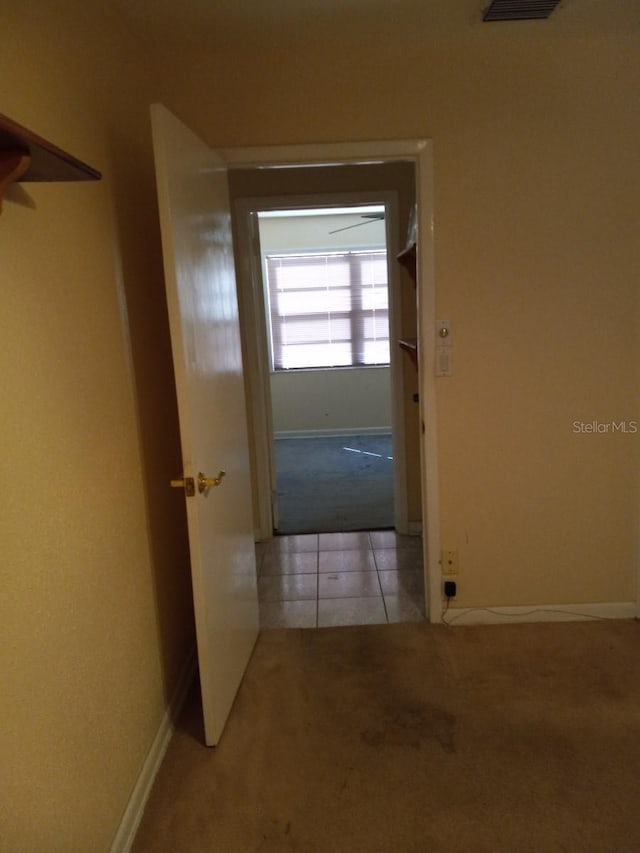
{"points": [[203, 313]]}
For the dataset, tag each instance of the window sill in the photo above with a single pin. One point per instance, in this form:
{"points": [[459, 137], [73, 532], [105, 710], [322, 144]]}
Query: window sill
{"points": [[297, 370]]}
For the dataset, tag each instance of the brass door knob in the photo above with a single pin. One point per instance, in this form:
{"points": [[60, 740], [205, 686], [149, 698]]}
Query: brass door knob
{"points": [[206, 483]]}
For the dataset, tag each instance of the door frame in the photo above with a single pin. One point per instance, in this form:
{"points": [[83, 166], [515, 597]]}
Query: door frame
{"points": [[420, 153], [250, 282]]}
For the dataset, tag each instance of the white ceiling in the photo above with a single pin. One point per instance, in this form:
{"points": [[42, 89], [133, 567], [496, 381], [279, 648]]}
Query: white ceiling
{"points": [[187, 25]]}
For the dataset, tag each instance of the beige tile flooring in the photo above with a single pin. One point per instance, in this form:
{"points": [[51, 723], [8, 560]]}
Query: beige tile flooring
{"points": [[328, 579]]}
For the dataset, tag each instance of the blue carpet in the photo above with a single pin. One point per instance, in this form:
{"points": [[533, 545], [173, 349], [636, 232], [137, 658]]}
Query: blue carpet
{"points": [[334, 484]]}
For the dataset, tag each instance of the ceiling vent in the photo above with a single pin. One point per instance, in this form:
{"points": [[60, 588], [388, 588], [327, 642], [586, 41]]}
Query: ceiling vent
{"points": [[519, 10]]}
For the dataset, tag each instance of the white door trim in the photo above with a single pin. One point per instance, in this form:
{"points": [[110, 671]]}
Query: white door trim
{"points": [[254, 331], [420, 152], [325, 153]]}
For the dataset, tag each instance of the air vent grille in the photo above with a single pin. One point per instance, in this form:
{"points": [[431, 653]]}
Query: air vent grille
{"points": [[519, 10]]}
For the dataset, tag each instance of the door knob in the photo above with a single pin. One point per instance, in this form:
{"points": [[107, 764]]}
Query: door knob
{"points": [[206, 483]]}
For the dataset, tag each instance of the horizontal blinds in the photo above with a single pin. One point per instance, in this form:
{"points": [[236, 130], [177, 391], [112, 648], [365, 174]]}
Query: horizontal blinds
{"points": [[328, 310]]}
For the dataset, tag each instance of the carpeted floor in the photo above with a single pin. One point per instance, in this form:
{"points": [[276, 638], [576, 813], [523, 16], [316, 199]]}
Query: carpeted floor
{"points": [[415, 738], [334, 484]]}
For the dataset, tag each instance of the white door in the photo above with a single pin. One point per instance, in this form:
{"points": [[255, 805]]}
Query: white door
{"points": [[203, 313]]}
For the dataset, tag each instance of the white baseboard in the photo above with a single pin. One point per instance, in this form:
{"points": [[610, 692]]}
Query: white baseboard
{"points": [[415, 528], [328, 433], [539, 613], [132, 816]]}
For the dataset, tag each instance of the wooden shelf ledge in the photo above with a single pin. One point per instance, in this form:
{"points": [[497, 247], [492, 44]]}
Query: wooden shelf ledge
{"points": [[25, 156]]}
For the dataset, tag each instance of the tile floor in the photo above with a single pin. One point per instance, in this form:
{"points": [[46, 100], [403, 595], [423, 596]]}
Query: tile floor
{"points": [[327, 579]]}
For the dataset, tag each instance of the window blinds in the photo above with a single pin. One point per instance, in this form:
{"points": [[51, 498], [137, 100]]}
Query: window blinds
{"points": [[328, 310]]}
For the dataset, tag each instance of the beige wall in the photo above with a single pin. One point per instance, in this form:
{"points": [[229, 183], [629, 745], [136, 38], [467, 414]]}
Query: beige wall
{"points": [[96, 614], [328, 401], [536, 133], [320, 233]]}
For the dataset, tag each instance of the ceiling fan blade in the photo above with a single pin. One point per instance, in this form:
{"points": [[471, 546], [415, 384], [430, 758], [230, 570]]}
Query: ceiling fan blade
{"points": [[370, 217]]}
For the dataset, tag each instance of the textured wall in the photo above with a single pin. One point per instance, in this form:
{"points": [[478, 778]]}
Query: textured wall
{"points": [[95, 608], [536, 132]]}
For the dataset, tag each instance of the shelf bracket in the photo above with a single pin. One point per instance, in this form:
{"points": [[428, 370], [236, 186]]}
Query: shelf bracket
{"points": [[13, 165]]}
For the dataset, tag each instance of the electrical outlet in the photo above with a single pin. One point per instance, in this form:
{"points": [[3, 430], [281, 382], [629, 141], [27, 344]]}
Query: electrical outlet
{"points": [[449, 561]]}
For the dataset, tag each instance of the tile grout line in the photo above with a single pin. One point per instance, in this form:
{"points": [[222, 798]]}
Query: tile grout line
{"points": [[384, 603]]}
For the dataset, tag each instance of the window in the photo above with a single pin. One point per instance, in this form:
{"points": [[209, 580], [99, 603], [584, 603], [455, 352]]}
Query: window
{"points": [[328, 309]]}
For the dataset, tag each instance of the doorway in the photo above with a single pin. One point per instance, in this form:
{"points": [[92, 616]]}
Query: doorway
{"points": [[312, 160], [326, 277], [356, 397]]}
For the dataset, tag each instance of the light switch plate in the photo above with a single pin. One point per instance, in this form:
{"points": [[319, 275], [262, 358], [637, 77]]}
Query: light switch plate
{"points": [[444, 361]]}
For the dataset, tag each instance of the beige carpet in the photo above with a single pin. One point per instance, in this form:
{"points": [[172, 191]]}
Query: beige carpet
{"points": [[415, 738]]}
